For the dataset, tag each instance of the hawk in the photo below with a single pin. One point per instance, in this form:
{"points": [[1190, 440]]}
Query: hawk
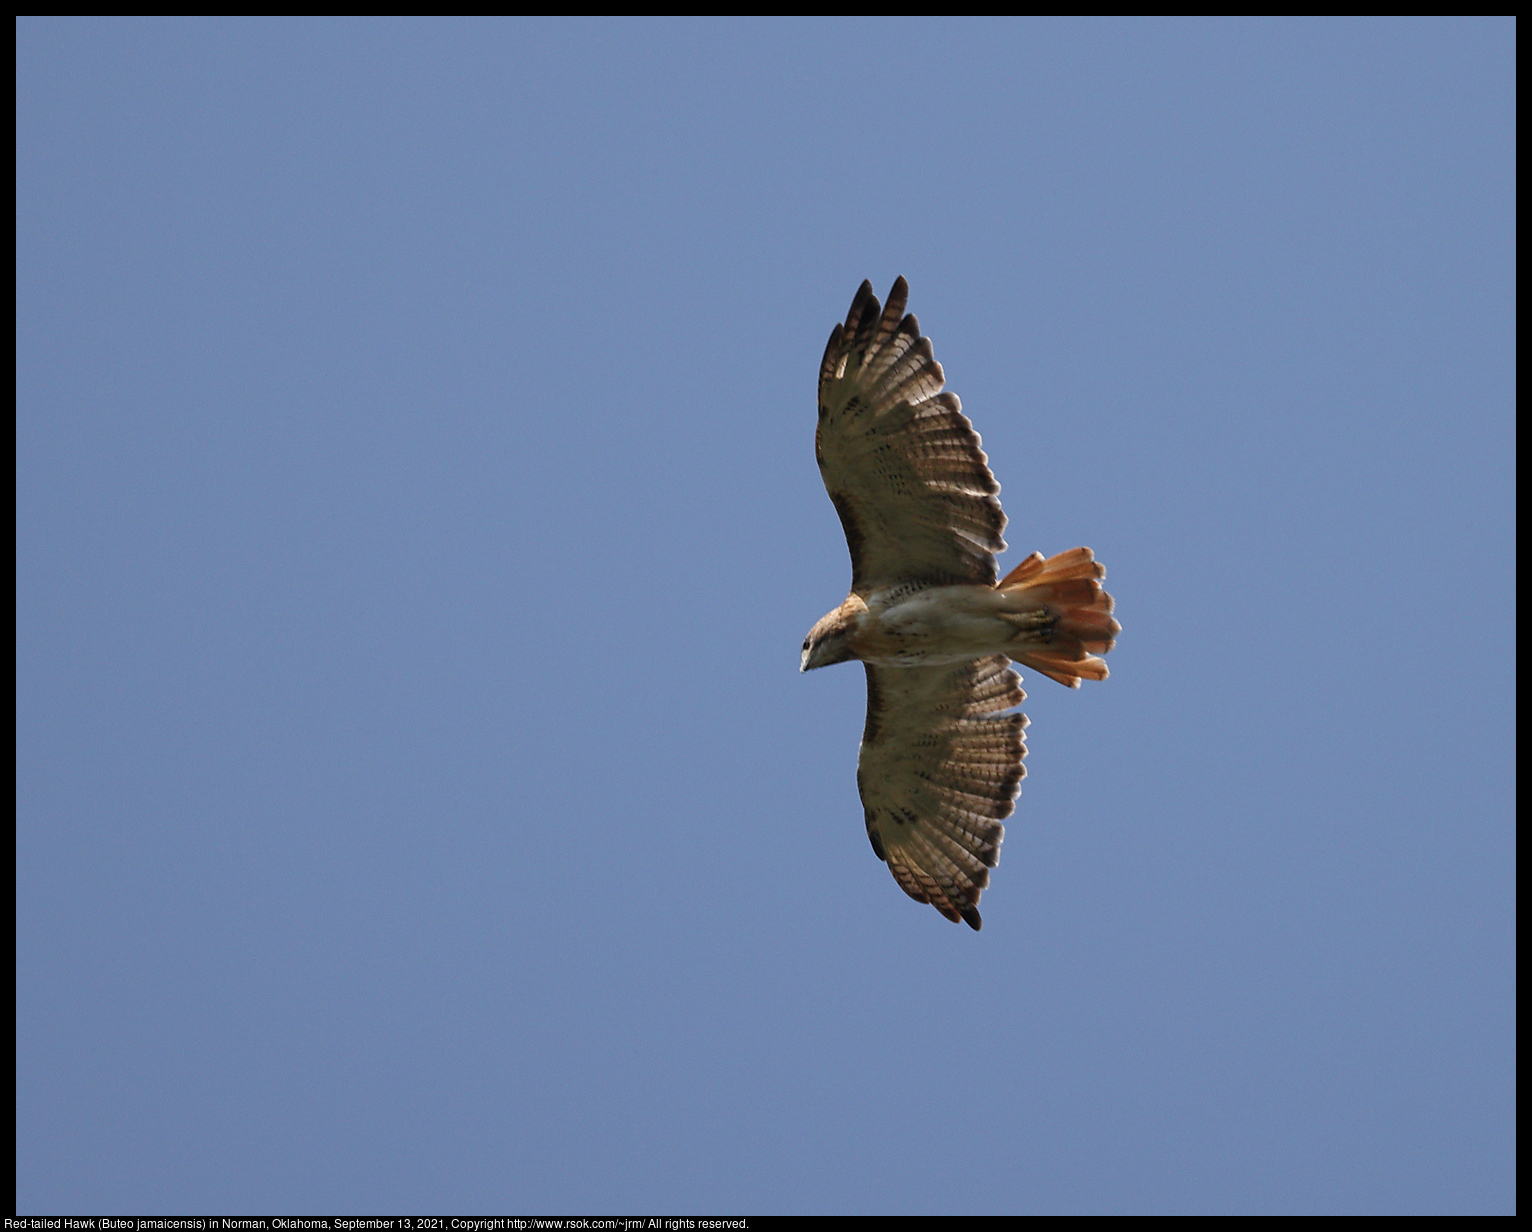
{"points": [[940, 763]]}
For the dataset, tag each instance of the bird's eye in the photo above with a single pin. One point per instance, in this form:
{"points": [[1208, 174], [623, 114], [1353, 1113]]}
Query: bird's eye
{"points": [[805, 643]]}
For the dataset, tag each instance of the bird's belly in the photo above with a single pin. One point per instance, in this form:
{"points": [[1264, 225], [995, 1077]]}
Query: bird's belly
{"points": [[949, 624]]}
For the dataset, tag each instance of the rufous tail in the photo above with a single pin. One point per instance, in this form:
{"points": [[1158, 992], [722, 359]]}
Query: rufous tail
{"points": [[1079, 624]]}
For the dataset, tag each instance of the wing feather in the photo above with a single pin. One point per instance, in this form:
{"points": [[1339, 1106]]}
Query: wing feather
{"points": [[939, 771], [901, 462]]}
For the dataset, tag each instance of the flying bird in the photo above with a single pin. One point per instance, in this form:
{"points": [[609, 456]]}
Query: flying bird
{"points": [[940, 763]]}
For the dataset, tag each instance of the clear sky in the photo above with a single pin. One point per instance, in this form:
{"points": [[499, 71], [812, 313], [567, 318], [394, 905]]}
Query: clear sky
{"points": [[419, 805]]}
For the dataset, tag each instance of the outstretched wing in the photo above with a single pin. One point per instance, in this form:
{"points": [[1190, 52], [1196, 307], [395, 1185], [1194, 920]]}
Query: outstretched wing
{"points": [[899, 458], [939, 771]]}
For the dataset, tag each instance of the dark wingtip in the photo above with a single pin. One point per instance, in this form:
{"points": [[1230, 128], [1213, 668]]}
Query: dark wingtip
{"points": [[832, 353], [877, 844], [971, 918], [864, 295]]}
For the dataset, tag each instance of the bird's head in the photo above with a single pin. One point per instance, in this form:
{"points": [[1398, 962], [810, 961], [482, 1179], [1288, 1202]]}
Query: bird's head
{"points": [[829, 641]]}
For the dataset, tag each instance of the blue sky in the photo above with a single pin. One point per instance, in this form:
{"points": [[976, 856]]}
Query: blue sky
{"points": [[419, 805]]}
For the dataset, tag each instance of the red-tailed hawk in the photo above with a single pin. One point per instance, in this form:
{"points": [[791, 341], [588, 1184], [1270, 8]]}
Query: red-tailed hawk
{"points": [[940, 765]]}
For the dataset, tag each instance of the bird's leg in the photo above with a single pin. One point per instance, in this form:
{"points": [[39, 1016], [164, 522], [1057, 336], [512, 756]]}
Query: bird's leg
{"points": [[1034, 626]]}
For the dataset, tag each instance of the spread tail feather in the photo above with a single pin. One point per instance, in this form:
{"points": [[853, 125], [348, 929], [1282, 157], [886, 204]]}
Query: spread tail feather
{"points": [[1066, 589]]}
